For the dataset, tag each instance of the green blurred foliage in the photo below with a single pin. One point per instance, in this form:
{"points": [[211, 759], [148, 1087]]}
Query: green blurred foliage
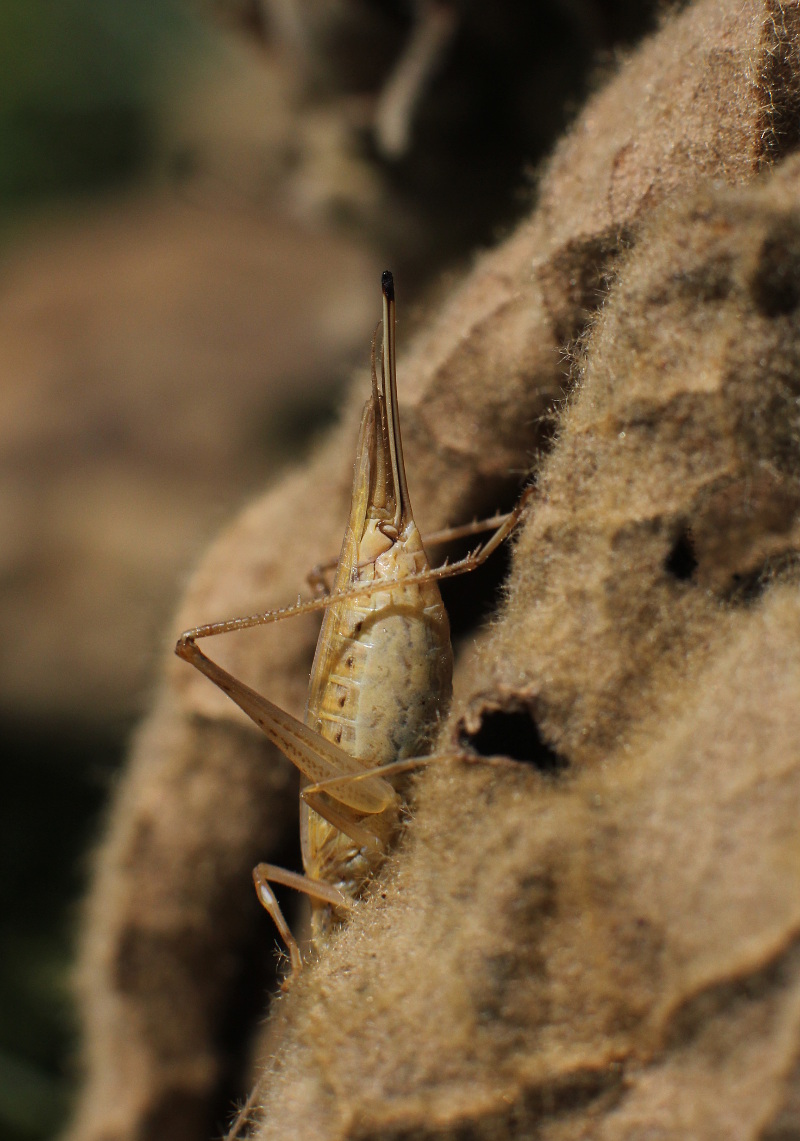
{"points": [[80, 83]]}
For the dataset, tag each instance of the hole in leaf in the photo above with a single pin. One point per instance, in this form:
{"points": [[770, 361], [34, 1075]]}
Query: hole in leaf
{"points": [[681, 562], [514, 733]]}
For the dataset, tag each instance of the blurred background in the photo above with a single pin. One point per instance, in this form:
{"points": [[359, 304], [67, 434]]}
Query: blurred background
{"points": [[196, 202]]}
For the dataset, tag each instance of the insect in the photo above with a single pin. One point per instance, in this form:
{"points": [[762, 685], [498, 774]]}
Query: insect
{"points": [[381, 677]]}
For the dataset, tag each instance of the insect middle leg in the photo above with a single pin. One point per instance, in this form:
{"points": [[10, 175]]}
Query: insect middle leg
{"points": [[264, 875], [317, 577], [468, 563]]}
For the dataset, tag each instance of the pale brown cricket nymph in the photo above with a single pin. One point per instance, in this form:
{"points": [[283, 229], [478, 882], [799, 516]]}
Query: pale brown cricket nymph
{"points": [[381, 678], [382, 672]]}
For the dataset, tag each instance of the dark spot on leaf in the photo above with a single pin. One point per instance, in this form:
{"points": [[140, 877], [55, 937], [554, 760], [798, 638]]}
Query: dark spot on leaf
{"points": [[746, 589], [775, 285], [177, 1113]]}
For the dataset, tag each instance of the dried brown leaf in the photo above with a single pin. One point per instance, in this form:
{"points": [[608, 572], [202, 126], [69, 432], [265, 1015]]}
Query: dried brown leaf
{"points": [[611, 951]]}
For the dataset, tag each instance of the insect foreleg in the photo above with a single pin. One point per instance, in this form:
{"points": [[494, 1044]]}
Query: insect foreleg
{"points": [[464, 530], [317, 578]]}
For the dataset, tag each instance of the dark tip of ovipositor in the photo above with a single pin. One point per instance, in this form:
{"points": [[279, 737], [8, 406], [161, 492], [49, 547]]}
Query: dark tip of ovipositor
{"points": [[387, 285]]}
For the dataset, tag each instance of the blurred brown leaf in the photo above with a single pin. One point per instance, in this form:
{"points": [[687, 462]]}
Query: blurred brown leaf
{"points": [[148, 349]]}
